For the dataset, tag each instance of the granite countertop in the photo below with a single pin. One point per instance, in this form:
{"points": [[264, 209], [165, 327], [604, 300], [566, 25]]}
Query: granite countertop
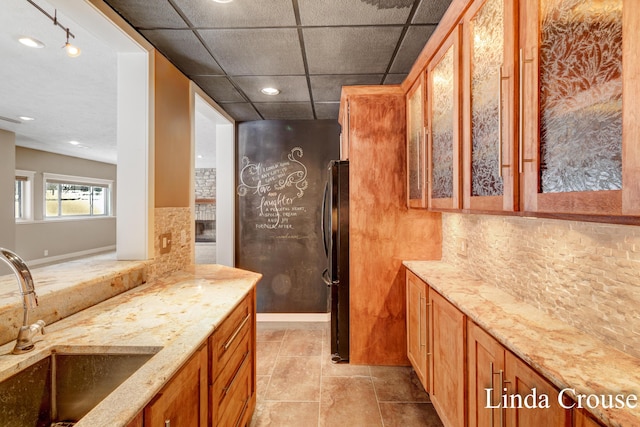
{"points": [[171, 317], [567, 357]]}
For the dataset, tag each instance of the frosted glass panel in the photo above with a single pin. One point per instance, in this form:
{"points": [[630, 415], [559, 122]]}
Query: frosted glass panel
{"points": [[442, 127], [488, 46], [415, 147], [580, 95]]}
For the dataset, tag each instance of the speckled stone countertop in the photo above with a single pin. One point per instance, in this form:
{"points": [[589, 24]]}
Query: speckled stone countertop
{"points": [[171, 317], [567, 357], [66, 288]]}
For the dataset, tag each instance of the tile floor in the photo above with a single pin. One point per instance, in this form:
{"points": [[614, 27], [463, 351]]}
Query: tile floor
{"points": [[299, 386]]}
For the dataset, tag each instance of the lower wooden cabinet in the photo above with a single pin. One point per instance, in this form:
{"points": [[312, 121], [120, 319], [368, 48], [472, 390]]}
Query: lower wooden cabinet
{"points": [[485, 371], [217, 386], [582, 419], [447, 331], [183, 401], [232, 388], [505, 391], [417, 294], [471, 378]]}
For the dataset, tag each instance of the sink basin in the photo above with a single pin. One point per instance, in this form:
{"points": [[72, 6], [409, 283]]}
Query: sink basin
{"points": [[63, 387]]}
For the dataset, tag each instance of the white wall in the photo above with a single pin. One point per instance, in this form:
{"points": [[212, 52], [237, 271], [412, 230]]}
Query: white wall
{"points": [[7, 183]]}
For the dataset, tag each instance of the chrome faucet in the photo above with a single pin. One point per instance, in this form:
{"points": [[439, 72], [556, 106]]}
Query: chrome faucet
{"points": [[24, 342]]}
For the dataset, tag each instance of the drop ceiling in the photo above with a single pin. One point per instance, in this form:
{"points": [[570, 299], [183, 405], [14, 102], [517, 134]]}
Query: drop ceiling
{"points": [[308, 49]]}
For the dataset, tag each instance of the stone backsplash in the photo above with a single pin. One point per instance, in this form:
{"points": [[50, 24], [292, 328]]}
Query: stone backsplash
{"points": [[584, 274], [178, 222]]}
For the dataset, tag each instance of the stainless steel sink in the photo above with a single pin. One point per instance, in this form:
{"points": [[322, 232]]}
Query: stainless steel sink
{"points": [[64, 387]]}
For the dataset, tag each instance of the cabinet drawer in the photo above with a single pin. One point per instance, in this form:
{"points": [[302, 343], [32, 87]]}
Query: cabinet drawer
{"points": [[228, 335], [233, 398], [240, 357]]}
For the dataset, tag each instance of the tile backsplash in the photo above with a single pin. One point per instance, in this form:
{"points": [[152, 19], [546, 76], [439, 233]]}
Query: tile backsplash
{"points": [[584, 274]]}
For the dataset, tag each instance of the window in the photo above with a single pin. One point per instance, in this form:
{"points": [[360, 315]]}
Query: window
{"points": [[67, 196], [23, 207]]}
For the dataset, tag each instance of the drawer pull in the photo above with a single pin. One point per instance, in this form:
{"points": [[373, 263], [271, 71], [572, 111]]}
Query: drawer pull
{"points": [[235, 375], [244, 409], [237, 331]]}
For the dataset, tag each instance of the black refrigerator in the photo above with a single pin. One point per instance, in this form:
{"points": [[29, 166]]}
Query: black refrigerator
{"points": [[335, 228]]}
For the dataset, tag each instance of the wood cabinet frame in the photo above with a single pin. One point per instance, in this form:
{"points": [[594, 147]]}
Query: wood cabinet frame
{"points": [[605, 202], [453, 40], [508, 142], [418, 90]]}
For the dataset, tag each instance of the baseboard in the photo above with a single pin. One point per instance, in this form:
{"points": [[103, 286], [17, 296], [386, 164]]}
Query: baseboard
{"points": [[293, 317], [70, 256]]}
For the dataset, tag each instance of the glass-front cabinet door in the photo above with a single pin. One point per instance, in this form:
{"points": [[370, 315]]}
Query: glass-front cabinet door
{"points": [[416, 145], [443, 95], [488, 117], [571, 121]]}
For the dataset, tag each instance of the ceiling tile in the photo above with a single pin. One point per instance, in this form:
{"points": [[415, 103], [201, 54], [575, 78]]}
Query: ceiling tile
{"points": [[256, 52], [241, 112], [327, 110], [329, 88], [292, 88], [354, 50], [219, 88], [354, 12], [184, 49], [148, 13], [412, 44], [394, 79], [239, 13], [430, 11], [285, 110]]}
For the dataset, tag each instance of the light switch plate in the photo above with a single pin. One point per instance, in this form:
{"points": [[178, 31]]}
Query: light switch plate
{"points": [[165, 243]]}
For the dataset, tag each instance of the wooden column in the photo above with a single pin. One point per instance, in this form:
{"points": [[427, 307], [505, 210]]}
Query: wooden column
{"points": [[383, 231]]}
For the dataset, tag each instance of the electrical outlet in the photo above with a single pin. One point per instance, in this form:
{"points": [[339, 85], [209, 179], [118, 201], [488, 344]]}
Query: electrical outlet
{"points": [[462, 246], [165, 243]]}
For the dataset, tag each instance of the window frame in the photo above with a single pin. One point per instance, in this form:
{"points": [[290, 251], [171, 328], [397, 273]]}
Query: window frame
{"points": [[26, 200], [76, 180]]}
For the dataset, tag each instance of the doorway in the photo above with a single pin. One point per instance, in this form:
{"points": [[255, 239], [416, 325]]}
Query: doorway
{"points": [[214, 184]]}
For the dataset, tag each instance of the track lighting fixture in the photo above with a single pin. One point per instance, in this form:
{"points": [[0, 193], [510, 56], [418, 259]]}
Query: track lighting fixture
{"points": [[71, 50]]}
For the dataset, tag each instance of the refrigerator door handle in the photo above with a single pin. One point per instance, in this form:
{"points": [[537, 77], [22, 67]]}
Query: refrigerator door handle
{"points": [[326, 278], [324, 214]]}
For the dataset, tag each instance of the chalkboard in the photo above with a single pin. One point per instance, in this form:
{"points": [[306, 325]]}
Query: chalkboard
{"points": [[281, 175]]}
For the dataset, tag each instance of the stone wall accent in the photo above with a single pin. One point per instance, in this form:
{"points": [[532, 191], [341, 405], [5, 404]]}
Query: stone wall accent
{"points": [[205, 183], [584, 274], [178, 222]]}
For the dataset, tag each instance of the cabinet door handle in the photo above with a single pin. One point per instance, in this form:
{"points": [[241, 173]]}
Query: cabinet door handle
{"points": [[418, 161], [420, 332], [236, 332], [500, 121], [244, 409]]}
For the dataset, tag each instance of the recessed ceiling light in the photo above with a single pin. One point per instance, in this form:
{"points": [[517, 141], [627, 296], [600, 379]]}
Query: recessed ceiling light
{"points": [[74, 143], [26, 118], [270, 91], [31, 42], [223, 1]]}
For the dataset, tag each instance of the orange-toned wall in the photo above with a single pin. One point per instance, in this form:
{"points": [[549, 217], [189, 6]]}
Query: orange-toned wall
{"points": [[172, 135]]}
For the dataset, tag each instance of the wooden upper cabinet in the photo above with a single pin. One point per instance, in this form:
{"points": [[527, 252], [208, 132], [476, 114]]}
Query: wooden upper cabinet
{"points": [[571, 107], [443, 111], [416, 147], [489, 150]]}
